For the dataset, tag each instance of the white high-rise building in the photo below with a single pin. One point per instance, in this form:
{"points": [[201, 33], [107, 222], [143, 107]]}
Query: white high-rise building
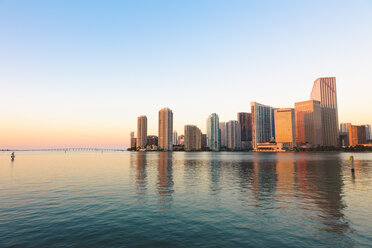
{"points": [[262, 123], [165, 129], [213, 132]]}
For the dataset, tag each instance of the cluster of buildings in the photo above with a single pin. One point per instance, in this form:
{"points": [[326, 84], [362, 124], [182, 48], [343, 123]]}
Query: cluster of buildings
{"points": [[311, 123]]}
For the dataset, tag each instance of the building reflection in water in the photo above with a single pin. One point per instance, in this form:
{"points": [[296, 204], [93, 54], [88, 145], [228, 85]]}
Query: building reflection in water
{"points": [[141, 176], [244, 174], [320, 181], [265, 178], [165, 179], [215, 167], [285, 166], [193, 174]]}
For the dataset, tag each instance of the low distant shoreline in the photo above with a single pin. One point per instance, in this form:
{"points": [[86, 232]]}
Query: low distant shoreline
{"points": [[346, 150]]}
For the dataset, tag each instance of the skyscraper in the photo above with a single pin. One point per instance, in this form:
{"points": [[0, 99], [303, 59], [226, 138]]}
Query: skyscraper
{"points": [[165, 129], [192, 138], [262, 123], [308, 123], [357, 135], [222, 134], [213, 132], [324, 91], [174, 137], [285, 127], [245, 121], [233, 135], [141, 130]]}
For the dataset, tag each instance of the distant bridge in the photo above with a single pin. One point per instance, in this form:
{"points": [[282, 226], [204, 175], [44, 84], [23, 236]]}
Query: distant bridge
{"points": [[70, 149]]}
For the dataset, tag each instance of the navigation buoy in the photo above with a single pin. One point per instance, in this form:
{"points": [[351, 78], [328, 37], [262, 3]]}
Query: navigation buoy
{"points": [[12, 156], [352, 163]]}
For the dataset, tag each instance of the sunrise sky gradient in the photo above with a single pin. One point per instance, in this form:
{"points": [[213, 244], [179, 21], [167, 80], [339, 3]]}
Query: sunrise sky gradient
{"points": [[78, 73]]}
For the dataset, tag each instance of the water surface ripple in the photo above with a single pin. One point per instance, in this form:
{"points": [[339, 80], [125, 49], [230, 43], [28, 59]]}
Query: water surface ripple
{"points": [[160, 199]]}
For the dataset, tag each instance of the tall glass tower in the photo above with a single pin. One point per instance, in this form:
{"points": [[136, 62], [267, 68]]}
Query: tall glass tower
{"points": [[324, 91]]}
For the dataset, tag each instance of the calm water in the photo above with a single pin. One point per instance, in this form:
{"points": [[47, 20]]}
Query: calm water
{"points": [[124, 199]]}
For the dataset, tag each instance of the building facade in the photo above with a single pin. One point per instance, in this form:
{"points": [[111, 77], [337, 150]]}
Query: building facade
{"points": [[324, 91], [175, 137], [285, 126], [245, 121], [141, 130], [222, 134], [344, 134], [152, 140], [368, 132], [357, 135], [133, 140], [192, 138], [213, 132], [308, 123], [165, 129], [181, 140], [204, 140], [262, 123], [233, 135]]}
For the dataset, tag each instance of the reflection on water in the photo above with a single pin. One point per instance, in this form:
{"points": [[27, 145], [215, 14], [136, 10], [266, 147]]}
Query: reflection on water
{"points": [[255, 199], [165, 178], [140, 181]]}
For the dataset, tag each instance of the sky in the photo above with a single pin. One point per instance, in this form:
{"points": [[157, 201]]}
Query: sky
{"points": [[78, 73]]}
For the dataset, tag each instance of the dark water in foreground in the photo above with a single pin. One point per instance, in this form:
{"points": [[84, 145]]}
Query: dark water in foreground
{"points": [[123, 199]]}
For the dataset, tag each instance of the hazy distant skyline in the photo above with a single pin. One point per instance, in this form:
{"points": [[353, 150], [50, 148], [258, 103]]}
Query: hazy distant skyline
{"points": [[79, 73]]}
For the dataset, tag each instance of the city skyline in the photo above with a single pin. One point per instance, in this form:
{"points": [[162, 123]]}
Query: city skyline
{"points": [[69, 71], [310, 124]]}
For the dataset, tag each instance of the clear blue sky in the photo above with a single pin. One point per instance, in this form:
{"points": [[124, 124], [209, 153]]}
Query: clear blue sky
{"points": [[78, 73]]}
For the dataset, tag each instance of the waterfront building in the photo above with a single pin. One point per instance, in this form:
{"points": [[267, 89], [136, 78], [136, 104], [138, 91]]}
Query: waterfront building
{"points": [[174, 137], [165, 129], [285, 127], [344, 127], [141, 130], [233, 135], [192, 138], [308, 123], [368, 132], [152, 140], [133, 141], [344, 134], [324, 91], [204, 140], [222, 134], [245, 121], [181, 140], [213, 132], [263, 128], [357, 135]]}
